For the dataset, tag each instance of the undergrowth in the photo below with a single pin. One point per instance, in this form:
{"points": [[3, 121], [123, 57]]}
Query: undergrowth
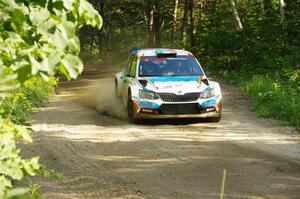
{"points": [[274, 93], [14, 111], [31, 94]]}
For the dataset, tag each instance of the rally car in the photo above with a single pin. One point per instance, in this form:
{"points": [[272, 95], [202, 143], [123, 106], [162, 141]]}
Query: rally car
{"points": [[167, 83]]}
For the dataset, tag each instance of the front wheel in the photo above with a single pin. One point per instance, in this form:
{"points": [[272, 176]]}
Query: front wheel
{"points": [[131, 112], [217, 119], [214, 119]]}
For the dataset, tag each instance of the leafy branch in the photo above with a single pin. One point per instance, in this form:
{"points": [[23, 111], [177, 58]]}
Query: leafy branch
{"points": [[37, 39]]}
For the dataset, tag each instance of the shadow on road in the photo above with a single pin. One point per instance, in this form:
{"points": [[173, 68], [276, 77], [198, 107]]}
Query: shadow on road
{"points": [[83, 133]]}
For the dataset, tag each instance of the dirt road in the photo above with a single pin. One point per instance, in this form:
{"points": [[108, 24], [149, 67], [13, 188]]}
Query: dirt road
{"points": [[104, 156]]}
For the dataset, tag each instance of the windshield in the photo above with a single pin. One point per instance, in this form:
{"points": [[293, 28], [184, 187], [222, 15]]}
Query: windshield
{"points": [[170, 66]]}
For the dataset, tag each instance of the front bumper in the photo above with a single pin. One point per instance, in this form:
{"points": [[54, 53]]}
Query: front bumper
{"points": [[161, 116], [156, 109]]}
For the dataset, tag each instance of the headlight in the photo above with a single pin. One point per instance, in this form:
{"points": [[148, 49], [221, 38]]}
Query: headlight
{"points": [[148, 95], [208, 93]]}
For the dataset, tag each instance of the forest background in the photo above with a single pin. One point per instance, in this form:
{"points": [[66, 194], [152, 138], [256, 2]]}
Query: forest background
{"points": [[252, 43]]}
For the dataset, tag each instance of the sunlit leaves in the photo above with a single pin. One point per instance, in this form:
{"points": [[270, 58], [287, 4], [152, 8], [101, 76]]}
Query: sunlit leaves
{"points": [[8, 82], [15, 109], [4, 184], [12, 166], [35, 33], [88, 14], [37, 38], [72, 65]]}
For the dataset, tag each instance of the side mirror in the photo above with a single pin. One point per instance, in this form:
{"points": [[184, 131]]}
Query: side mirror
{"points": [[129, 75]]}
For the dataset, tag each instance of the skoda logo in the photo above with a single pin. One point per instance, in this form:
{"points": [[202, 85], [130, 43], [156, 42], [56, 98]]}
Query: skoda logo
{"points": [[179, 92]]}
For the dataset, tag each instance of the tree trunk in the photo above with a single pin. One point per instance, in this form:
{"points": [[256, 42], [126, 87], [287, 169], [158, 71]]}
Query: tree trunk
{"points": [[199, 21], [157, 27], [236, 15], [154, 25], [262, 7], [174, 26], [81, 38], [91, 32], [151, 36], [282, 11], [184, 22], [268, 5], [283, 22], [192, 29]]}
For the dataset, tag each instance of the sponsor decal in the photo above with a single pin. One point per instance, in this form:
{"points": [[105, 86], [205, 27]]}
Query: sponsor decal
{"points": [[136, 106], [209, 103], [200, 78]]}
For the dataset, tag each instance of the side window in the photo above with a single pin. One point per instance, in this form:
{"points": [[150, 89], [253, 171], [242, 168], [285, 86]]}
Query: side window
{"points": [[133, 65], [128, 64]]}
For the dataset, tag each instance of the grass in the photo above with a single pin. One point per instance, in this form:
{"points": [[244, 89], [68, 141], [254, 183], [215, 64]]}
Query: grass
{"points": [[271, 97]]}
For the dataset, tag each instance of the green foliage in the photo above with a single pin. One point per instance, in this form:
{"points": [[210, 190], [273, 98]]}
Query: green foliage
{"points": [[34, 190], [32, 93], [15, 109], [37, 39], [275, 98], [12, 166], [258, 58]]}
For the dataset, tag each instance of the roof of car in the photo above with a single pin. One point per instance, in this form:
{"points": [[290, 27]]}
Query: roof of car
{"points": [[153, 51]]}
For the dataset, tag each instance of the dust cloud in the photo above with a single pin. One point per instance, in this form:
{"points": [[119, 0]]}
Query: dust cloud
{"points": [[100, 95]]}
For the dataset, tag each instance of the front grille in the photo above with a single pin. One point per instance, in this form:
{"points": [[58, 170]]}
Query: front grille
{"points": [[171, 97], [179, 109]]}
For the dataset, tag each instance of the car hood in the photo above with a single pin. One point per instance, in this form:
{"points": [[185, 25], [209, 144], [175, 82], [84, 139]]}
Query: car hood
{"points": [[178, 84]]}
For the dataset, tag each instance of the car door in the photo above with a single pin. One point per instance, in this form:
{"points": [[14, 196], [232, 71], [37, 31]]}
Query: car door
{"points": [[128, 74]]}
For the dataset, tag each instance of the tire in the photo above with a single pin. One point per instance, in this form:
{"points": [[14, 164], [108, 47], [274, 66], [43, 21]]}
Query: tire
{"points": [[116, 90], [214, 119], [130, 110]]}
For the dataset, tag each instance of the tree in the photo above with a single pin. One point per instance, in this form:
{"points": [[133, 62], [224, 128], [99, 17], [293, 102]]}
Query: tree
{"points": [[236, 15], [174, 25], [184, 22], [268, 6], [154, 23], [151, 31], [283, 22], [192, 22], [262, 7]]}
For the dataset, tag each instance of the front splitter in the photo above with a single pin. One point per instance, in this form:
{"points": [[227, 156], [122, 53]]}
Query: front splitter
{"points": [[161, 116]]}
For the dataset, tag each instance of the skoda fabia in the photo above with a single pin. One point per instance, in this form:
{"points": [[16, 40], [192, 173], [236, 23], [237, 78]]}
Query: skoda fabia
{"points": [[167, 83]]}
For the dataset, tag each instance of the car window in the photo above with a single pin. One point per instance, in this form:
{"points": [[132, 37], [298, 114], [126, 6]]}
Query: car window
{"points": [[181, 65], [133, 65], [128, 65]]}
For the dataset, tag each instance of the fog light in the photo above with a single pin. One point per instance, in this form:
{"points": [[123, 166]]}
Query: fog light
{"points": [[207, 110], [147, 110]]}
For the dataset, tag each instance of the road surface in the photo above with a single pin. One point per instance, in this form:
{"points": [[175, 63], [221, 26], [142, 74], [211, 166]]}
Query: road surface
{"points": [[83, 133]]}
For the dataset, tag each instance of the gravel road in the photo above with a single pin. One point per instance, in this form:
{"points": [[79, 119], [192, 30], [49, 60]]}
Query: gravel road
{"points": [[82, 133]]}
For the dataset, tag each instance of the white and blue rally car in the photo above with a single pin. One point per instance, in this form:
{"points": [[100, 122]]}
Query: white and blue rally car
{"points": [[167, 83]]}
